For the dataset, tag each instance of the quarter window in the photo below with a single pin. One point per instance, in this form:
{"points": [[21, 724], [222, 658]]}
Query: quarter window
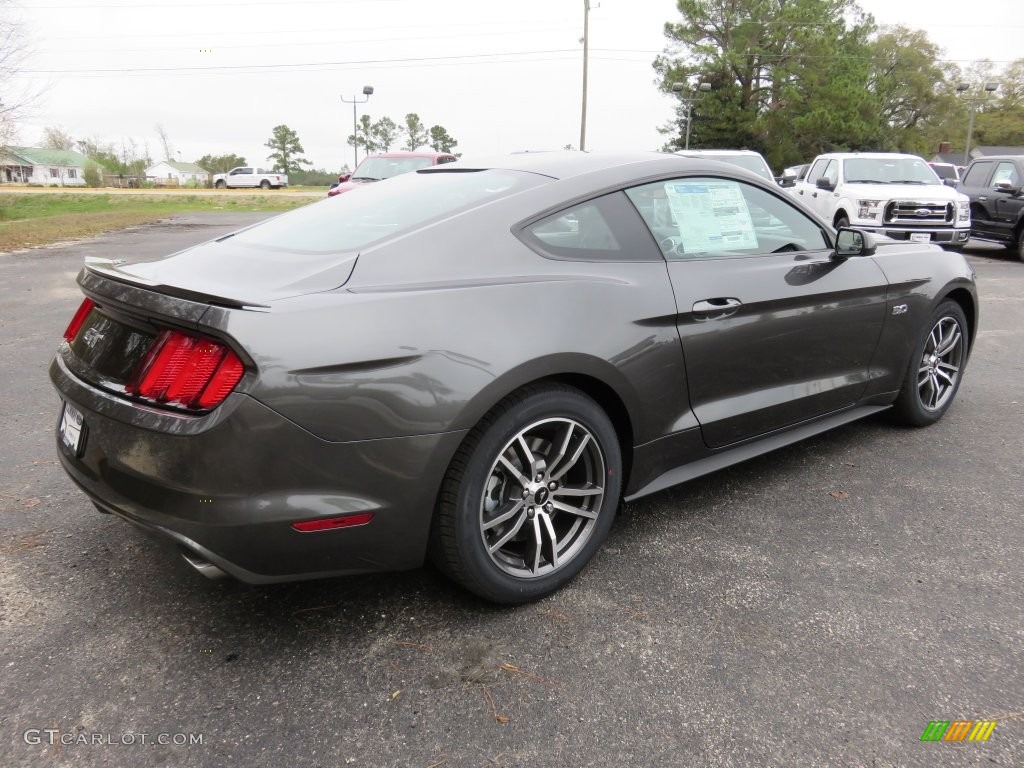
{"points": [[604, 229], [707, 218]]}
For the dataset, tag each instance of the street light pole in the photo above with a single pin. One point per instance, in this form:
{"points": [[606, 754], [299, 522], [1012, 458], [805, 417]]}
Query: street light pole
{"points": [[367, 93], [701, 89], [973, 101], [586, 51]]}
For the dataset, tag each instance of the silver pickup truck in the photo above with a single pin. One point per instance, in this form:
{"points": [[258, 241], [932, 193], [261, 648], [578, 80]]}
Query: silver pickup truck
{"points": [[245, 176]]}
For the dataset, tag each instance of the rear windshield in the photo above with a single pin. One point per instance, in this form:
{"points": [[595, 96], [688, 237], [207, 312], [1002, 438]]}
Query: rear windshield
{"points": [[750, 162], [385, 167], [376, 211]]}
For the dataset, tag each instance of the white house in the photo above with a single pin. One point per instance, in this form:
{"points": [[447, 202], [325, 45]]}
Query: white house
{"points": [[171, 171], [46, 167]]}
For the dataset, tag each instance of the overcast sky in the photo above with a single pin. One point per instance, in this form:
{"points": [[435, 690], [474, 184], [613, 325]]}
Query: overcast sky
{"points": [[500, 76]]}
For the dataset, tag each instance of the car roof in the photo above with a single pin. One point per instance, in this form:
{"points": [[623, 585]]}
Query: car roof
{"points": [[560, 164], [996, 157], [870, 155], [685, 152]]}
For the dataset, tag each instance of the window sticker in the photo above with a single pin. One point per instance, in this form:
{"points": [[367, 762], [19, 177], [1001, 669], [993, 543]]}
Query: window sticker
{"points": [[711, 216]]}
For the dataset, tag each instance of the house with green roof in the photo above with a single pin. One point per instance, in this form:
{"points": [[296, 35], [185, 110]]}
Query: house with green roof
{"points": [[171, 172], [45, 167]]}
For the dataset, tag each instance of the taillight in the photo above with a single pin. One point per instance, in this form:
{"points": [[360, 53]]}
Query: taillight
{"points": [[76, 322], [187, 371]]}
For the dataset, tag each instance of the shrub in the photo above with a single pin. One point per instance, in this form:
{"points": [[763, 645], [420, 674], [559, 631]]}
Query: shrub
{"points": [[92, 173]]}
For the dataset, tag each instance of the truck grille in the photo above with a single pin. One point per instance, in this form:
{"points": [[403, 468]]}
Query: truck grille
{"points": [[926, 214]]}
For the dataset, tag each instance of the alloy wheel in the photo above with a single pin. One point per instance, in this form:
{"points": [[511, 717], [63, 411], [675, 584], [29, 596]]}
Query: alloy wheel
{"points": [[940, 363], [542, 497]]}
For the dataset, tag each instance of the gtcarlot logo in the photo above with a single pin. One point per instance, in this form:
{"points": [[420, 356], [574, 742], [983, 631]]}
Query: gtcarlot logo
{"points": [[54, 736]]}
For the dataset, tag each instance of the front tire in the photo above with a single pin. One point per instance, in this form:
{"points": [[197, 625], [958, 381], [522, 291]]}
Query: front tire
{"points": [[264, 184], [529, 496], [1017, 247], [221, 184], [936, 368], [842, 221]]}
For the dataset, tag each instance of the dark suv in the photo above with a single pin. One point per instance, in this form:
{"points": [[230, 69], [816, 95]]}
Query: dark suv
{"points": [[994, 185]]}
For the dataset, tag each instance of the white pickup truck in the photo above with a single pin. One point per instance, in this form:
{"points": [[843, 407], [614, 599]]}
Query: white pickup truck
{"points": [[891, 194], [244, 176]]}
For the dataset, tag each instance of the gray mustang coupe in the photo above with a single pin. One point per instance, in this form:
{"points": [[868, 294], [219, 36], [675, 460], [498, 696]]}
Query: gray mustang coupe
{"points": [[477, 362]]}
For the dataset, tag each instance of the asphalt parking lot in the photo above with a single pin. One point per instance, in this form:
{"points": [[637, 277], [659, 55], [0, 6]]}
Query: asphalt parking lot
{"points": [[818, 606]]}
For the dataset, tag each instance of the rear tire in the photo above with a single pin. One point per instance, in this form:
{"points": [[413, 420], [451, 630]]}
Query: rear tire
{"points": [[935, 369], [529, 496]]}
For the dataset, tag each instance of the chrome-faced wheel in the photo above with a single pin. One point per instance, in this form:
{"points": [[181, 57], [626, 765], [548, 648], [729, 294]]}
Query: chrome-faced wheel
{"points": [[542, 498], [940, 364]]}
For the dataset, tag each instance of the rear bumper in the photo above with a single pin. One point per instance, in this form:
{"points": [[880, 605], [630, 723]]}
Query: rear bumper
{"points": [[228, 489]]}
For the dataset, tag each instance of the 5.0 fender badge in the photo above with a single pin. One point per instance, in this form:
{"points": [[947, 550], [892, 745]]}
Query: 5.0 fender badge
{"points": [[899, 309]]}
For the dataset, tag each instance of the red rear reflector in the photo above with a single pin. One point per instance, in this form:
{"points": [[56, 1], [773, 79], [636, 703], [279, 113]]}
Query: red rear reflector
{"points": [[187, 371], [77, 321], [331, 523]]}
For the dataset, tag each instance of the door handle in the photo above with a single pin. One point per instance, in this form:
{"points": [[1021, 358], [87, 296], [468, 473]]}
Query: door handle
{"points": [[814, 194], [982, 198], [800, 192], [720, 307]]}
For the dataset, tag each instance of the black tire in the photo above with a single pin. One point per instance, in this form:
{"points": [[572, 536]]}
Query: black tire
{"points": [[485, 502], [264, 184], [955, 247], [842, 221], [221, 184], [932, 380], [1017, 247]]}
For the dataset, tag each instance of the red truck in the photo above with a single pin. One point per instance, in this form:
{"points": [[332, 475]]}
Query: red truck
{"points": [[388, 164]]}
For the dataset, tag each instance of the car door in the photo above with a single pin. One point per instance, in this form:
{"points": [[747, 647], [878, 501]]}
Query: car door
{"points": [[774, 330], [975, 185], [1007, 205]]}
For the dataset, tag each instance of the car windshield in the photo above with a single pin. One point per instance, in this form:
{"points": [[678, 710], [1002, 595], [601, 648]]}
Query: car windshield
{"points": [[750, 162], [898, 170], [351, 222], [944, 171], [377, 168]]}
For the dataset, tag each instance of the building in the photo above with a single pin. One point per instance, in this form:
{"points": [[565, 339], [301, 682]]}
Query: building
{"points": [[173, 173], [43, 167]]}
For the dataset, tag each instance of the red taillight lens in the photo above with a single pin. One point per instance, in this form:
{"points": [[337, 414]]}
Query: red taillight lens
{"points": [[332, 523], [78, 320], [187, 371]]}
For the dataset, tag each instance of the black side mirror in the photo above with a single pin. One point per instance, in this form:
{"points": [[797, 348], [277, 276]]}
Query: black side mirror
{"points": [[853, 242], [786, 181], [1007, 187], [824, 183], [949, 182]]}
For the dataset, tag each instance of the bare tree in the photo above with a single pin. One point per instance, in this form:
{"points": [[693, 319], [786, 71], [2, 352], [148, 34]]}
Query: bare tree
{"points": [[55, 137], [161, 133], [12, 52]]}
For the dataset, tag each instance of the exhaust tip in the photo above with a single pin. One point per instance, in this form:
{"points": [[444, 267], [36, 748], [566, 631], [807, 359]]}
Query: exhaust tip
{"points": [[205, 567]]}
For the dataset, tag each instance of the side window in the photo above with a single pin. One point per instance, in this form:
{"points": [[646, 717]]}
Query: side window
{"points": [[604, 229], [832, 172], [1006, 172], [816, 171], [977, 174], [708, 218]]}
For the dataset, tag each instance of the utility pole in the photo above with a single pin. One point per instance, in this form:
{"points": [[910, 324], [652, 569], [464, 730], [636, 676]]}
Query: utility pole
{"points": [[367, 93], [586, 51], [973, 101]]}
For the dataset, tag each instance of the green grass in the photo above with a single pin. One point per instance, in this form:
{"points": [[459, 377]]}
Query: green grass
{"points": [[30, 219]]}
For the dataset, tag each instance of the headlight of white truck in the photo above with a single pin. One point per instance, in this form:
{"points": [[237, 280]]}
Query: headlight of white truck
{"points": [[963, 210], [868, 209]]}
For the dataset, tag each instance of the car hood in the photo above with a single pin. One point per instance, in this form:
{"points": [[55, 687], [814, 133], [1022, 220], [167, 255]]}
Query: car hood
{"points": [[223, 272], [925, 194]]}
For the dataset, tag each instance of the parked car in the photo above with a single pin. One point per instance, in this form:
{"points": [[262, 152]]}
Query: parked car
{"points": [[386, 165], [477, 361], [891, 194], [948, 172], [744, 158], [995, 187], [246, 176], [790, 176]]}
